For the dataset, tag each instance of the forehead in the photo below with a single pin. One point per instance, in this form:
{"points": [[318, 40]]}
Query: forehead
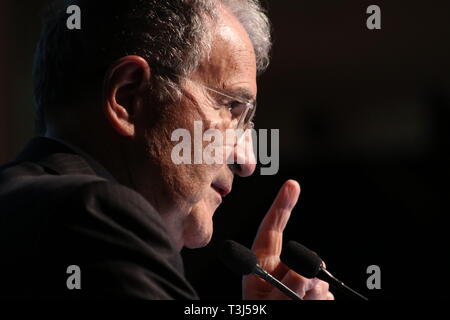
{"points": [[232, 61]]}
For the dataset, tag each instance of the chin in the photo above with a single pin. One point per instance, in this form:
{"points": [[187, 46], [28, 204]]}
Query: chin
{"points": [[198, 228], [198, 237], [198, 242]]}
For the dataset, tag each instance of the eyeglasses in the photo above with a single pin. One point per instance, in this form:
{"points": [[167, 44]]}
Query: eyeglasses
{"points": [[241, 110]]}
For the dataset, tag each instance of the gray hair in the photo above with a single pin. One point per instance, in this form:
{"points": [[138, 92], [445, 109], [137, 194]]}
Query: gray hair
{"points": [[174, 36], [249, 13], [252, 16]]}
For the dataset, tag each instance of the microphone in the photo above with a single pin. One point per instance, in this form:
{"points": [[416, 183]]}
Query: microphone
{"points": [[243, 261], [307, 263]]}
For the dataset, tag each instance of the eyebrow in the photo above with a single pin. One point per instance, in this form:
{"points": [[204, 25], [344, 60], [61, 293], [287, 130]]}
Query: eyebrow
{"points": [[242, 93]]}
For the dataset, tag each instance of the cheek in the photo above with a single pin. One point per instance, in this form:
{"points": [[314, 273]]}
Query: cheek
{"points": [[187, 182], [198, 227], [197, 177]]}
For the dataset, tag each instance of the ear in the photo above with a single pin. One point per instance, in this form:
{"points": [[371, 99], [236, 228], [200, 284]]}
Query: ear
{"points": [[125, 85]]}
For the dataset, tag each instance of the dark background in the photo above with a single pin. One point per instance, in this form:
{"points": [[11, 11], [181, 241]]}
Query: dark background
{"points": [[363, 118]]}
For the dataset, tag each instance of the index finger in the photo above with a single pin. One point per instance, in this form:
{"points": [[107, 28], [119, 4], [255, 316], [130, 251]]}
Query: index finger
{"points": [[269, 238]]}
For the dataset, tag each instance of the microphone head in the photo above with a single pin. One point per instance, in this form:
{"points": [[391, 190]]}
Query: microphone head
{"points": [[301, 259], [237, 257]]}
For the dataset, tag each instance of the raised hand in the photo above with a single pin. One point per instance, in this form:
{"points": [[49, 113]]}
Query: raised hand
{"points": [[268, 245]]}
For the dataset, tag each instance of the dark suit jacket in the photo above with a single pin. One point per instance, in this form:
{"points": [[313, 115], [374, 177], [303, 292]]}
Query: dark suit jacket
{"points": [[58, 208]]}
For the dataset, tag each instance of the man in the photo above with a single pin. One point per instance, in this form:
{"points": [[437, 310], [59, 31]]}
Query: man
{"points": [[100, 190]]}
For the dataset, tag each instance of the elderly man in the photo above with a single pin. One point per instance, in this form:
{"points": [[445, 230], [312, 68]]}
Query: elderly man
{"points": [[98, 191]]}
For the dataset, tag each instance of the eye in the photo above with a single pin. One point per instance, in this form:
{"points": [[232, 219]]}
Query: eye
{"points": [[236, 107]]}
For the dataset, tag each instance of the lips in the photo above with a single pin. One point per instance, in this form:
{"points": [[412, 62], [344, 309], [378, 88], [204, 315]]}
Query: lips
{"points": [[221, 189]]}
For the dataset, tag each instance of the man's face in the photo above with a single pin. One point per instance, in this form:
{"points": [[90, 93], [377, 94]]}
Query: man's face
{"points": [[188, 194]]}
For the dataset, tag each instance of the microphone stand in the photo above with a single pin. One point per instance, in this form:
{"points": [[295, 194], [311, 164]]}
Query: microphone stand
{"points": [[325, 275], [260, 272]]}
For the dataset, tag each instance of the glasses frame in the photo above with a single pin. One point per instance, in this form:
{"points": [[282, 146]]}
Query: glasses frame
{"points": [[250, 105]]}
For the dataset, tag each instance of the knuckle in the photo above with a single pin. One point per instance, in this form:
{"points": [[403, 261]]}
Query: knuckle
{"points": [[301, 293], [301, 287], [322, 290], [326, 286]]}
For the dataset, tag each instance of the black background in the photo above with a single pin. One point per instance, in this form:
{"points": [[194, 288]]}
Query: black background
{"points": [[363, 118]]}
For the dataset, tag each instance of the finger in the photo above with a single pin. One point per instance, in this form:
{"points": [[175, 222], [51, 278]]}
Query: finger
{"points": [[319, 292], [269, 238], [296, 283], [330, 296]]}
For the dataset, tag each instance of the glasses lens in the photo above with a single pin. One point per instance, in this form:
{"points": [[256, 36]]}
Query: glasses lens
{"points": [[247, 116]]}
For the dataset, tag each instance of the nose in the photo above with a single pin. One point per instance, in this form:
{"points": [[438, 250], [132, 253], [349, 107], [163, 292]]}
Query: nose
{"points": [[244, 160]]}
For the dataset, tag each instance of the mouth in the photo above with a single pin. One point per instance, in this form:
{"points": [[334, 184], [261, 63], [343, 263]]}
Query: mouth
{"points": [[222, 190]]}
